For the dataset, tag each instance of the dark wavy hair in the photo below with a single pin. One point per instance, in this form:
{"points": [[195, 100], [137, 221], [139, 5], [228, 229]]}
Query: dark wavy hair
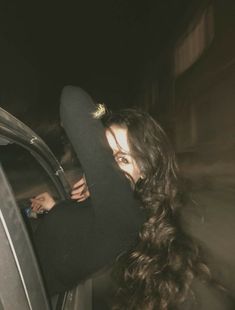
{"points": [[158, 272]]}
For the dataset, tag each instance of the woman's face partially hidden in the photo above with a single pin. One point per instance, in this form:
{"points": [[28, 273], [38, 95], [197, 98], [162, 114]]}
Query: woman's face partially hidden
{"points": [[118, 141]]}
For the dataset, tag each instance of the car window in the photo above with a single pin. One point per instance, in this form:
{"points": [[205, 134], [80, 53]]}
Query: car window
{"points": [[25, 174], [27, 179]]}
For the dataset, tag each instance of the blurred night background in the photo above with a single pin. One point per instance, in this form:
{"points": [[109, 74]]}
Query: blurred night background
{"points": [[174, 58]]}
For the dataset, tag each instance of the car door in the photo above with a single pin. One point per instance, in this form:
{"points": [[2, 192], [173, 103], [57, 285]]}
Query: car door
{"points": [[21, 151]]}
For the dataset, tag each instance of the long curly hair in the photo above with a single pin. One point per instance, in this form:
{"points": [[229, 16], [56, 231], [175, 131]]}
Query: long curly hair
{"points": [[158, 272]]}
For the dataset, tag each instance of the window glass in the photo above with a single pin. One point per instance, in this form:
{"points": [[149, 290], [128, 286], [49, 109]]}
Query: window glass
{"points": [[25, 175]]}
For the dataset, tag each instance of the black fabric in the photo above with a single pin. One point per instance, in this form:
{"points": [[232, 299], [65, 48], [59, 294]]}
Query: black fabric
{"points": [[77, 239]]}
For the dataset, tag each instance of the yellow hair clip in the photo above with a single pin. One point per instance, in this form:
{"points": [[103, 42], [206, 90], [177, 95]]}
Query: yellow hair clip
{"points": [[100, 111]]}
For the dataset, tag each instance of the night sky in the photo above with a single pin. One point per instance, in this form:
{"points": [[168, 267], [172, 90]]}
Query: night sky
{"points": [[102, 45]]}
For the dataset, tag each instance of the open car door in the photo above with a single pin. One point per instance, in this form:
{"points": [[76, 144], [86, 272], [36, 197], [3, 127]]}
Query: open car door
{"points": [[21, 284]]}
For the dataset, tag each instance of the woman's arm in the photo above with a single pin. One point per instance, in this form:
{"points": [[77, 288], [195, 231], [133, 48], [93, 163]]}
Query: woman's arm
{"points": [[45, 201], [111, 194], [74, 241]]}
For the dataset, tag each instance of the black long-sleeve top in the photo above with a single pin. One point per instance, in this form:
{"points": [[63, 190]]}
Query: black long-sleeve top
{"points": [[77, 239]]}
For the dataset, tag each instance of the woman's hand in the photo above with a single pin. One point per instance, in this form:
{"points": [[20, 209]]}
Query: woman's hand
{"points": [[80, 190], [42, 202]]}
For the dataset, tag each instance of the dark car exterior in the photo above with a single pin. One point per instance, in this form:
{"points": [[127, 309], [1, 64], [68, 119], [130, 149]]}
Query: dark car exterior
{"points": [[21, 284]]}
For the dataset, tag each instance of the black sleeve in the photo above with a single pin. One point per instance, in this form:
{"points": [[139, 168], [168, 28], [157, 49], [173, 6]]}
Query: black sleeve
{"points": [[111, 194], [74, 240]]}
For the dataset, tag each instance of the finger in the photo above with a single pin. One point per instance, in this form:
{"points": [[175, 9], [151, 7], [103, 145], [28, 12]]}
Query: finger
{"points": [[76, 197], [78, 191], [41, 209], [84, 196], [36, 207], [82, 188], [78, 194], [79, 183], [34, 202], [42, 196], [80, 200]]}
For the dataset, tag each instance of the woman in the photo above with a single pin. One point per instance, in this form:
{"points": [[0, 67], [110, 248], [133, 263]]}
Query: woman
{"points": [[74, 241], [131, 219]]}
